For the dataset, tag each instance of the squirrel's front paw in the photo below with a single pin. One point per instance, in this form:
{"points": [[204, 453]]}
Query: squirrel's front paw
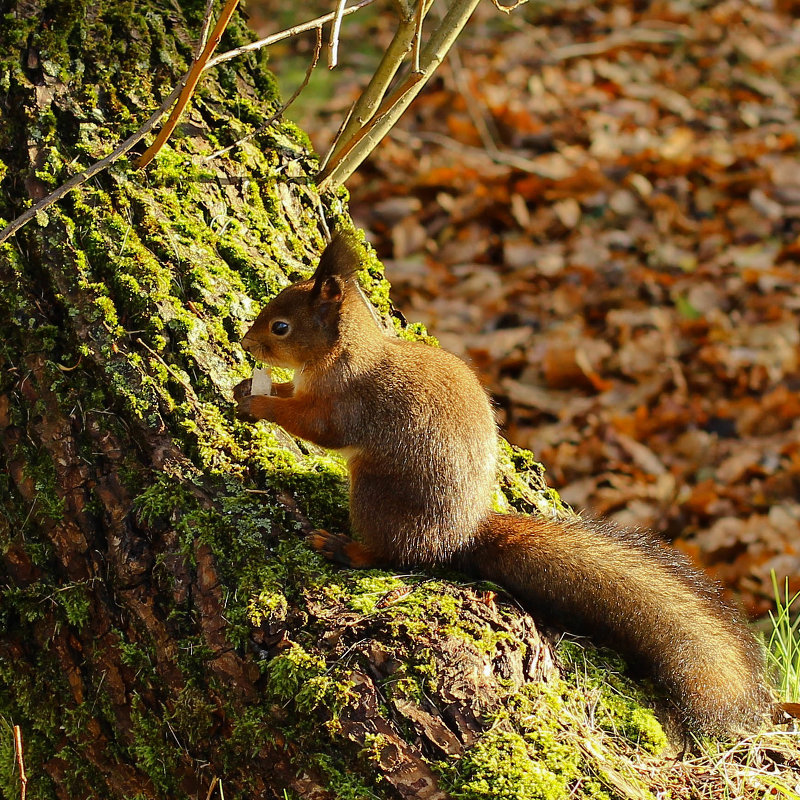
{"points": [[242, 389], [252, 408]]}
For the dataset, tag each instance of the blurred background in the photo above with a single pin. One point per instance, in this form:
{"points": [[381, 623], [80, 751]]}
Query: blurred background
{"points": [[598, 206]]}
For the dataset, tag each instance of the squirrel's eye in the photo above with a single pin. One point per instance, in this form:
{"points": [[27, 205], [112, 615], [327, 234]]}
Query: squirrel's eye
{"points": [[280, 328]]}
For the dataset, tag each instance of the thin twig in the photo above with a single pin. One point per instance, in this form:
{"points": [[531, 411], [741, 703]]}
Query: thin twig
{"points": [[90, 172], [508, 9], [191, 84], [333, 45], [23, 778], [207, 19], [370, 99], [285, 34], [211, 788], [282, 110], [419, 17]]}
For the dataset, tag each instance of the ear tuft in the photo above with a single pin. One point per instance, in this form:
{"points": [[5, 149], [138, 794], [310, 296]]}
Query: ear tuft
{"points": [[340, 259]]}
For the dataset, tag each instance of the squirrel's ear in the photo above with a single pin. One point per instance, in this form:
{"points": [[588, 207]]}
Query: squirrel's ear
{"points": [[331, 290], [326, 299], [340, 260]]}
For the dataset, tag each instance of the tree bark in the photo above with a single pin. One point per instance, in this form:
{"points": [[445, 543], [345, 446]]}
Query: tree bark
{"points": [[163, 627]]}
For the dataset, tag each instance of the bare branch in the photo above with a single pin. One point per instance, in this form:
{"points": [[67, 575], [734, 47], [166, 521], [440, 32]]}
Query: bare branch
{"points": [[191, 84], [508, 9], [419, 17], [369, 100], [333, 45], [207, 19], [285, 34], [282, 110], [366, 131], [23, 778], [94, 169], [214, 782], [404, 8], [363, 142]]}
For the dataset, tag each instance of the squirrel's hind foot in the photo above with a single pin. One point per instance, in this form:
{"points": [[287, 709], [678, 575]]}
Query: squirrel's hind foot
{"points": [[342, 549]]}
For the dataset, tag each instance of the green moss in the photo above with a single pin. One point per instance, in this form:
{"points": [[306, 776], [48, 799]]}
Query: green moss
{"points": [[570, 737], [621, 703], [152, 748], [523, 485], [161, 498], [266, 605], [403, 605], [419, 675], [482, 638], [261, 575], [364, 590], [194, 715], [319, 478], [74, 599], [49, 502], [374, 746], [305, 679], [499, 766], [136, 656], [27, 690], [344, 782], [542, 751]]}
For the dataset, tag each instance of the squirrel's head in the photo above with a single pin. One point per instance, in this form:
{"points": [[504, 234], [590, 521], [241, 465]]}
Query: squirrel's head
{"points": [[302, 323]]}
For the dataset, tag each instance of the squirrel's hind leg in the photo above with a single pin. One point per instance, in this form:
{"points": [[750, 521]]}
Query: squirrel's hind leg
{"points": [[343, 550]]}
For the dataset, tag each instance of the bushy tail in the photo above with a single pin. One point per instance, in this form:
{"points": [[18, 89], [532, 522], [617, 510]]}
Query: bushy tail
{"points": [[626, 589]]}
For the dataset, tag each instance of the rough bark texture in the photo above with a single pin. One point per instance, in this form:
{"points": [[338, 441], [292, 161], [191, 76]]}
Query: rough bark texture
{"points": [[162, 623]]}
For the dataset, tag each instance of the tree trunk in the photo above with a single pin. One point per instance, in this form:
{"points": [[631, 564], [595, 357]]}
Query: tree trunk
{"points": [[163, 626]]}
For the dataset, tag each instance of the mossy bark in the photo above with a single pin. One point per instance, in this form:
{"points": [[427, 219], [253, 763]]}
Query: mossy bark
{"points": [[162, 624]]}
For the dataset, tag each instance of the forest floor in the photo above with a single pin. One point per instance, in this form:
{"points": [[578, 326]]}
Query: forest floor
{"points": [[599, 208]]}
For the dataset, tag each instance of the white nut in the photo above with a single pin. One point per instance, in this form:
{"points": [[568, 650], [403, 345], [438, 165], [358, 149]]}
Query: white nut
{"points": [[262, 381]]}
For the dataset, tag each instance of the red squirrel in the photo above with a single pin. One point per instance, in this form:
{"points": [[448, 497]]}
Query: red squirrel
{"points": [[420, 440]]}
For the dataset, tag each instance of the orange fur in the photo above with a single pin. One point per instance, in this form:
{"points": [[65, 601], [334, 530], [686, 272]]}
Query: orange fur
{"points": [[308, 420], [419, 436]]}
